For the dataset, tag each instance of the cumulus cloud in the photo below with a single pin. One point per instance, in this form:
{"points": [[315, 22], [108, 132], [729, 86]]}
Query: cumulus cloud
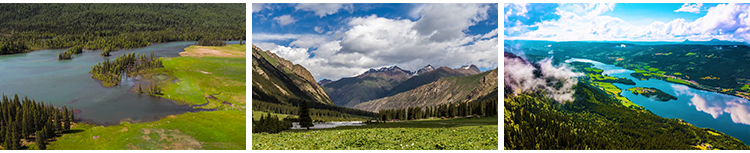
{"points": [[322, 9], [555, 81], [717, 104], [692, 8], [285, 19], [729, 22], [372, 41], [443, 22]]}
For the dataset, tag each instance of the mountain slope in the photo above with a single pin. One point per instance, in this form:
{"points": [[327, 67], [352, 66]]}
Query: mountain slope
{"points": [[442, 91], [277, 80], [431, 76], [370, 85]]}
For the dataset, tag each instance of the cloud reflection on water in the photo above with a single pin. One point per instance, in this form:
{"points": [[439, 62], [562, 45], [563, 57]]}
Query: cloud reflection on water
{"points": [[738, 108]]}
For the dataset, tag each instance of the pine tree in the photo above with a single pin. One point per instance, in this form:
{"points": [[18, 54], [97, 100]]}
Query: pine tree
{"points": [[66, 118], [304, 115], [40, 140]]}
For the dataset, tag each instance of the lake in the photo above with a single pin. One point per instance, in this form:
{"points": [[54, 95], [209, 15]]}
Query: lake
{"points": [[40, 76], [725, 113]]}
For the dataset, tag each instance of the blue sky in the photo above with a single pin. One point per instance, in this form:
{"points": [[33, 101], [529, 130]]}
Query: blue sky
{"points": [[627, 21], [344, 40]]}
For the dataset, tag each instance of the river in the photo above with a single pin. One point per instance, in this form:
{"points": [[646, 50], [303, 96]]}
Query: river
{"points": [[725, 113], [40, 76]]}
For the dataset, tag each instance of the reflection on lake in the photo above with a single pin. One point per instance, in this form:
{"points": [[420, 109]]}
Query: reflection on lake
{"points": [[325, 125], [725, 113]]}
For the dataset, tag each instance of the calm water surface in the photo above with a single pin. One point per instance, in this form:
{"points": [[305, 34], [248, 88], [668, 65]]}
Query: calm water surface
{"points": [[40, 76]]}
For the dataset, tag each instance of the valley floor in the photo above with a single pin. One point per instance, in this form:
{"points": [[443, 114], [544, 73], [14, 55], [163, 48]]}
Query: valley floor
{"points": [[208, 77], [432, 134]]}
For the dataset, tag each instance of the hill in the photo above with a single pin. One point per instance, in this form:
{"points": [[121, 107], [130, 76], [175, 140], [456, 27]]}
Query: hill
{"points": [[443, 91]]}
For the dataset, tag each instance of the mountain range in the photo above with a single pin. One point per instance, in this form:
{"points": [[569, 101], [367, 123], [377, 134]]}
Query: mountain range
{"points": [[388, 81], [279, 81]]}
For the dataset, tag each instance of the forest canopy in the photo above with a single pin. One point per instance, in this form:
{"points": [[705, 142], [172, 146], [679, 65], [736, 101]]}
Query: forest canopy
{"points": [[116, 26]]}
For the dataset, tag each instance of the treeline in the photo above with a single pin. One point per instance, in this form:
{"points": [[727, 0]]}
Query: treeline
{"points": [[320, 114], [270, 124], [486, 107], [110, 72], [8, 47], [116, 26], [211, 42], [596, 120], [22, 120]]}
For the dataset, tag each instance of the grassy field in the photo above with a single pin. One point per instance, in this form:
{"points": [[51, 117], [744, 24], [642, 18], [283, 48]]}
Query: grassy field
{"points": [[202, 77], [220, 80], [201, 130], [450, 134]]}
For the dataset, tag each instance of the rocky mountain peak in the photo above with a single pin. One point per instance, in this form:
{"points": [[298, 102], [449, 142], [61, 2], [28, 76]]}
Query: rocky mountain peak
{"points": [[391, 69], [426, 69]]}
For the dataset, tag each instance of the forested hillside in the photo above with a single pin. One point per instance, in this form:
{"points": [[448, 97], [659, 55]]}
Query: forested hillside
{"points": [[27, 27], [596, 120]]}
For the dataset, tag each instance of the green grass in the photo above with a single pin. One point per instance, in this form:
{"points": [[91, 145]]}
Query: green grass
{"points": [[746, 87], [678, 81], [199, 77], [257, 114], [201, 130], [452, 134]]}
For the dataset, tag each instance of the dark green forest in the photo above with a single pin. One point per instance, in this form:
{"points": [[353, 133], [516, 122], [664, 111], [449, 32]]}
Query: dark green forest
{"points": [[596, 120], [486, 107], [26, 120], [27, 27]]}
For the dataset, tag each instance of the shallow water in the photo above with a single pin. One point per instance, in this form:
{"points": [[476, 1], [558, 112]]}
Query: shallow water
{"points": [[725, 113], [326, 125], [40, 76]]}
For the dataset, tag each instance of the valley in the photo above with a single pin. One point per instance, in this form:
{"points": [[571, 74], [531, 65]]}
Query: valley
{"points": [[438, 101]]}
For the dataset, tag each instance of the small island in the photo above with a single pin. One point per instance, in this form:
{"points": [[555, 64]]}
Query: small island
{"points": [[652, 93]]}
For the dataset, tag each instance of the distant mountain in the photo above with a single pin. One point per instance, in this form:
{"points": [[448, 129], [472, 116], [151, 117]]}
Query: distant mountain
{"points": [[323, 82], [432, 76], [388, 81], [277, 80], [370, 85], [445, 90], [426, 69]]}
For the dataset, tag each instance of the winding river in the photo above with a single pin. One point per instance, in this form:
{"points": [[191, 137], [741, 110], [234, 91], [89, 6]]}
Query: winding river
{"points": [[725, 113], [40, 76]]}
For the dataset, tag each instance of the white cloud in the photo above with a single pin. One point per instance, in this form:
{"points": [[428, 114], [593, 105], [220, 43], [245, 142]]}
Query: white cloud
{"points": [[318, 29], [257, 7], [444, 22], [372, 42], [492, 33], [307, 42], [692, 8], [285, 19], [724, 22], [266, 36], [323, 9]]}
